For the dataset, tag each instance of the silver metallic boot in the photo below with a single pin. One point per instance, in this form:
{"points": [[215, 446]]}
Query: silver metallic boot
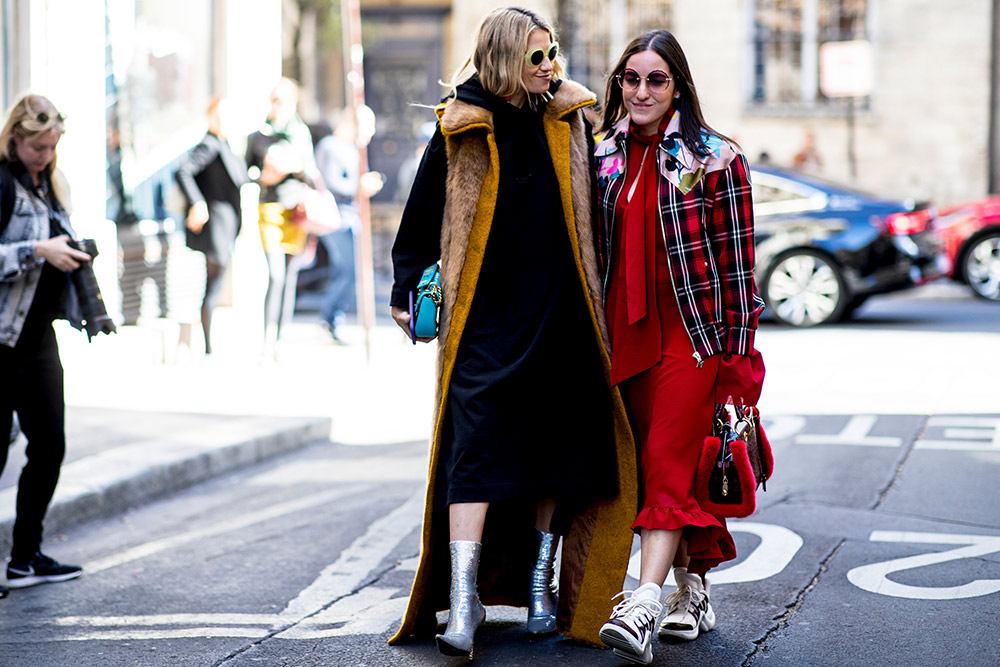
{"points": [[467, 612], [543, 597]]}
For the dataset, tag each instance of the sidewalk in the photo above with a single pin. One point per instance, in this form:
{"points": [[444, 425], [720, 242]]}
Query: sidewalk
{"points": [[139, 427]]}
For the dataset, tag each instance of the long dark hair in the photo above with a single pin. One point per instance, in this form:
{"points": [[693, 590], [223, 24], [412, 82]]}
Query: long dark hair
{"points": [[665, 45]]}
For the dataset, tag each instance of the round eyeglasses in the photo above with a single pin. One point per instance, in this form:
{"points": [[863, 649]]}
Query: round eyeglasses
{"points": [[656, 82], [536, 57]]}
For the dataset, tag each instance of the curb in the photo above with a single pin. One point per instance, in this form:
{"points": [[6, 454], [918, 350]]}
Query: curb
{"points": [[111, 482]]}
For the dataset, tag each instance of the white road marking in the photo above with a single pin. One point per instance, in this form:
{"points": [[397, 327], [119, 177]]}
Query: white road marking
{"points": [[165, 619], [225, 526], [368, 610], [369, 469], [959, 432], [134, 635], [356, 561], [778, 545], [783, 426], [855, 433], [874, 577]]}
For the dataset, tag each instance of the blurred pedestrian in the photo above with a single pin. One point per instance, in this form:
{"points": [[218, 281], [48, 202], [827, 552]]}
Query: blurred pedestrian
{"points": [[281, 156], [338, 159], [676, 223], [210, 178], [530, 443], [35, 257], [808, 159], [407, 171]]}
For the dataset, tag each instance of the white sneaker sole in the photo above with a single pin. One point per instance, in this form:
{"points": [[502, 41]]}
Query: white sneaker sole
{"points": [[705, 624], [625, 646], [33, 580]]}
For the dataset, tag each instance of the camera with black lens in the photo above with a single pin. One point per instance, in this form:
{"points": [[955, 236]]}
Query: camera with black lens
{"points": [[95, 316]]}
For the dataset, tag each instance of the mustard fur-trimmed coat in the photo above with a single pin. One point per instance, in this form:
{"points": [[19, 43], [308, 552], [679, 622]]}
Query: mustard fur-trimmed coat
{"points": [[597, 546]]}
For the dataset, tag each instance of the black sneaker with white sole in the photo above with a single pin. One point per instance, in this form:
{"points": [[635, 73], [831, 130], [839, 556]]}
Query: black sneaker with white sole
{"points": [[40, 569]]}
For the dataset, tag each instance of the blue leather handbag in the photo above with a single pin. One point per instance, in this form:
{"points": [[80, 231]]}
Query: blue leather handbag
{"points": [[424, 320]]}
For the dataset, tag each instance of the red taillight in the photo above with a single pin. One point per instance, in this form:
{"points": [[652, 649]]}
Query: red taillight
{"points": [[909, 223]]}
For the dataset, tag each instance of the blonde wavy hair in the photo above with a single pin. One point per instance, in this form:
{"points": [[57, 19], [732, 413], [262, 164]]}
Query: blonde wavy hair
{"points": [[28, 117], [498, 57]]}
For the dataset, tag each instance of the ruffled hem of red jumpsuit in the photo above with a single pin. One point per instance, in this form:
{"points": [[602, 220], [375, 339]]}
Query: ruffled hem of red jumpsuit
{"points": [[709, 541]]}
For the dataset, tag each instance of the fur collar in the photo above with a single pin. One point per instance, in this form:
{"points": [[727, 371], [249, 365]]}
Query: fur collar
{"points": [[458, 116]]}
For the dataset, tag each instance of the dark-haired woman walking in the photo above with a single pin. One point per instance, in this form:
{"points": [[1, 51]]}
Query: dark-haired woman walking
{"points": [[677, 244]]}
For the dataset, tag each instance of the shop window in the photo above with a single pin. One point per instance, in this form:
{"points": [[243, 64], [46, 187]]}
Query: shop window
{"points": [[159, 83], [786, 37], [593, 33]]}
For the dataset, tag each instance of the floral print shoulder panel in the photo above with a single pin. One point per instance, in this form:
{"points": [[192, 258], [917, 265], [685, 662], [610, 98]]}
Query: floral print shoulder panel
{"points": [[677, 164]]}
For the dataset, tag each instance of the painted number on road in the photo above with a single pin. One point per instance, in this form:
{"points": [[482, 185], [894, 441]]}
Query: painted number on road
{"points": [[875, 577], [778, 545]]}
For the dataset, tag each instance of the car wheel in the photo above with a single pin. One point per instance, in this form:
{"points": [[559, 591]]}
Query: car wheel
{"points": [[805, 288], [982, 266]]}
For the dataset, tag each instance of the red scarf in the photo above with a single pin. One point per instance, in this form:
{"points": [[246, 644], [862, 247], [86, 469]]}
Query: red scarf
{"points": [[638, 235], [634, 319]]}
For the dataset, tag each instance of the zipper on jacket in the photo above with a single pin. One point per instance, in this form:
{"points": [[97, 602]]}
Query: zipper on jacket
{"points": [[659, 211]]}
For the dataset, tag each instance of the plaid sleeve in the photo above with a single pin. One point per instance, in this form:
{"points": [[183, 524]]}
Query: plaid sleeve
{"points": [[731, 233]]}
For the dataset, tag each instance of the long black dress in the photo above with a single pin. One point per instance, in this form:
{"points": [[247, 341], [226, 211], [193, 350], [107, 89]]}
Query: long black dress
{"points": [[528, 413]]}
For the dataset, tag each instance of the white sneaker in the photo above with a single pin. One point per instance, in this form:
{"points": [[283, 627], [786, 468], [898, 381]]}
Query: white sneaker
{"points": [[688, 609], [629, 631]]}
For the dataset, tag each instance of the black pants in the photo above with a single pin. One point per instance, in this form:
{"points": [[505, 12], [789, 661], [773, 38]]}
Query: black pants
{"points": [[31, 382], [279, 301]]}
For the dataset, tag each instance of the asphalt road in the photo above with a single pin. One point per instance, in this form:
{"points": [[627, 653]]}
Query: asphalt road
{"points": [[876, 543]]}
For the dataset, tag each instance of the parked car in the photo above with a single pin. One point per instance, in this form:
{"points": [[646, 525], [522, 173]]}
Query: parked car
{"points": [[824, 248], [971, 236]]}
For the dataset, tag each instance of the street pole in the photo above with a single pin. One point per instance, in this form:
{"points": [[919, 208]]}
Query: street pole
{"points": [[852, 160], [350, 13], [993, 153]]}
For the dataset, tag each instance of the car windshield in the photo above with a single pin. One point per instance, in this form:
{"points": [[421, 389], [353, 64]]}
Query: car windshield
{"points": [[820, 183]]}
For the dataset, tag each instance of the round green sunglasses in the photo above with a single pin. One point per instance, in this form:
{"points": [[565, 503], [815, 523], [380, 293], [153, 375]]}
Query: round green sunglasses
{"points": [[536, 57]]}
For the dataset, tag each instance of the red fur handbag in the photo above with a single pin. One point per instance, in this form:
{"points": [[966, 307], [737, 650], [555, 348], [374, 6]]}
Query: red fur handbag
{"points": [[735, 460]]}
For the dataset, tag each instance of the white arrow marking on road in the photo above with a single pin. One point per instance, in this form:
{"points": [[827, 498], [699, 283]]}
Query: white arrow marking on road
{"points": [[958, 431], [855, 433], [778, 545], [874, 578]]}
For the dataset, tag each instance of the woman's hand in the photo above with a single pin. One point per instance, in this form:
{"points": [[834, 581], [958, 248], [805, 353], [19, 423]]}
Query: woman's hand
{"points": [[402, 317], [57, 252], [197, 216], [371, 183]]}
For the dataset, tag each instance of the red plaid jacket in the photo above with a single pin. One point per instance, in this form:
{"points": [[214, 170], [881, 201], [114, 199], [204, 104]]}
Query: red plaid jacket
{"points": [[706, 218]]}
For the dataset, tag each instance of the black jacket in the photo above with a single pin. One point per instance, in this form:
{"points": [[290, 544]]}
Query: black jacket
{"points": [[213, 173]]}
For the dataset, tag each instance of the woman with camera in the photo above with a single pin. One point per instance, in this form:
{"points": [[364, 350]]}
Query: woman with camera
{"points": [[36, 257]]}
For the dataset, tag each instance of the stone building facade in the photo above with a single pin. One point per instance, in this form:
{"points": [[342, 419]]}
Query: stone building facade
{"points": [[928, 129]]}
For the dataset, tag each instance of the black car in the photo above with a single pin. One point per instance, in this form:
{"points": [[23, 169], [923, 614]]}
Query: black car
{"points": [[824, 248]]}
